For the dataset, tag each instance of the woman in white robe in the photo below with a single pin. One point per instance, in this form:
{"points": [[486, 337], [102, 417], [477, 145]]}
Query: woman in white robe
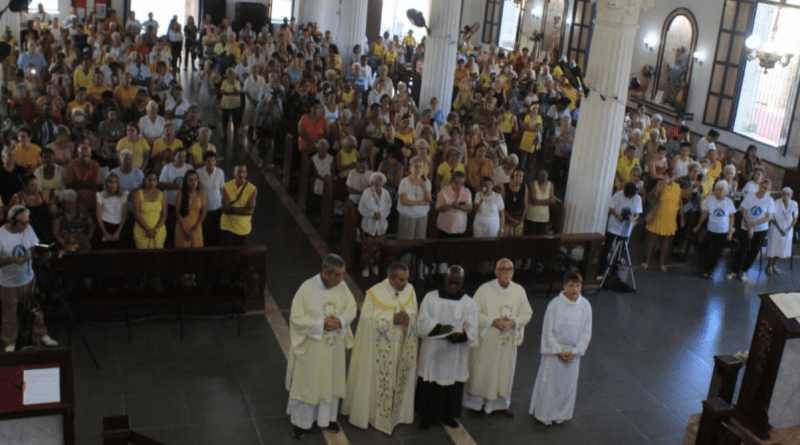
{"points": [[566, 332], [781, 230]]}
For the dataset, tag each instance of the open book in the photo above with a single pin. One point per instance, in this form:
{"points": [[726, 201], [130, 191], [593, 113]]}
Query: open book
{"points": [[789, 304]]}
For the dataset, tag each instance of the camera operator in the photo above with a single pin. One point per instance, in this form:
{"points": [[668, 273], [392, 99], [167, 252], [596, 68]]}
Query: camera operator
{"points": [[623, 211], [17, 240]]}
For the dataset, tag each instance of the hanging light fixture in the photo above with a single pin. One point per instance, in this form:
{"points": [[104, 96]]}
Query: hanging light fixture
{"points": [[769, 54]]}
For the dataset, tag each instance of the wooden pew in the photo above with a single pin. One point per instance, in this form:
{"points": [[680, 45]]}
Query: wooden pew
{"points": [[171, 265], [287, 161]]}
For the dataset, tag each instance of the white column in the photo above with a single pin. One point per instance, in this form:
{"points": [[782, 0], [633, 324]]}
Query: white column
{"points": [[329, 16], [352, 27], [441, 49], [597, 140]]}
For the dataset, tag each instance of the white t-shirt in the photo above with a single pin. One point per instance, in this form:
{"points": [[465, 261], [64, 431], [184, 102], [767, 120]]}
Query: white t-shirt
{"points": [[358, 181], [702, 147], [17, 245], [112, 206], [212, 184], [619, 203], [718, 213], [491, 207], [323, 167], [175, 175], [756, 209], [750, 188], [413, 193], [150, 129]]}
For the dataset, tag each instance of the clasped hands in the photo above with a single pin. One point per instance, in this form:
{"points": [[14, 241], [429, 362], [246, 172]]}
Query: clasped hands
{"points": [[401, 318], [566, 357], [332, 323], [503, 324]]}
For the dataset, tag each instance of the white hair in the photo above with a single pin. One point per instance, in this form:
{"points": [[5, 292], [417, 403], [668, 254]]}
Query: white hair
{"points": [[377, 177], [722, 185]]}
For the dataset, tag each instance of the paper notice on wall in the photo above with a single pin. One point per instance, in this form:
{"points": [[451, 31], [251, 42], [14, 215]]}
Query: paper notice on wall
{"points": [[42, 386], [789, 304]]}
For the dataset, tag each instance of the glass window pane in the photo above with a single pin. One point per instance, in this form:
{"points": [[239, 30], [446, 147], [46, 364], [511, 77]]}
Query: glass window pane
{"points": [[728, 14], [744, 16], [717, 79], [724, 112], [722, 46], [584, 37], [736, 50], [711, 110], [509, 25], [730, 81], [579, 5]]}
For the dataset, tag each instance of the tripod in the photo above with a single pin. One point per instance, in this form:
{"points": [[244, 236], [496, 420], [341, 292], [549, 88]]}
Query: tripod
{"points": [[620, 249]]}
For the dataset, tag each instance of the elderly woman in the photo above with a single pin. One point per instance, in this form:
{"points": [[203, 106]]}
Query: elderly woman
{"points": [[759, 173], [151, 125], [729, 176], [414, 204], [758, 209], [445, 171], [311, 127], [541, 197], [503, 171], [73, 227], [321, 166], [374, 207], [489, 211], [781, 230], [719, 211], [231, 102]]}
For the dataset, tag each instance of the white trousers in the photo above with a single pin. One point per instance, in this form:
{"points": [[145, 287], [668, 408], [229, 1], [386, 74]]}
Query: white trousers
{"points": [[304, 415], [478, 403]]}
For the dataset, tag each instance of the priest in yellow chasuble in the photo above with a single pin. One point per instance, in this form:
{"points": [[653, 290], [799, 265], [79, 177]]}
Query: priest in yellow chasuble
{"points": [[319, 325], [380, 381], [503, 312]]}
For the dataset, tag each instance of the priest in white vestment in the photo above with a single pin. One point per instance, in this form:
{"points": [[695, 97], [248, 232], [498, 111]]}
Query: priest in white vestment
{"points": [[503, 312], [566, 332], [319, 324], [448, 326], [380, 380]]}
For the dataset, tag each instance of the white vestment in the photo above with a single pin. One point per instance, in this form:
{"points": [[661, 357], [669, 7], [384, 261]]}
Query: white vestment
{"points": [[380, 380], [567, 327], [441, 361], [315, 374], [492, 363]]}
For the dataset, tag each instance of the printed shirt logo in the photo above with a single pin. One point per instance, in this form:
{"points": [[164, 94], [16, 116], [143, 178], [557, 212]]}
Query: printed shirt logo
{"points": [[19, 251], [719, 213], [756, 211]]}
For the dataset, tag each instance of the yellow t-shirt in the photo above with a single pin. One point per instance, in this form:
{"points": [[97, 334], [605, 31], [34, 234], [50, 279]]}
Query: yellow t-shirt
{"points": [[30, 158], [230, 102], [624, 168], [347, 159], [160, 145], [507, 123], [81, 78], [95, 92], [87, 108], [139, 148], [408, 40], [197, 152], [447, 172], [125, 96], [237, 224], [378, 50]]}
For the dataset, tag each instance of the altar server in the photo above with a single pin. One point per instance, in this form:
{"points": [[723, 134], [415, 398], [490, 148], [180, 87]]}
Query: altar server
{"points": [[448, 326], [503, 312], [322, 310], [380, 381], [566, 332]]}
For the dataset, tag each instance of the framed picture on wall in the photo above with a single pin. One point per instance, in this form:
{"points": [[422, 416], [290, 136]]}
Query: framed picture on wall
{"points": [[101, 10]]}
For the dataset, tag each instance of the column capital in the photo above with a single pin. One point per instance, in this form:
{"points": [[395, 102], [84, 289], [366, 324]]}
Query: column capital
{"points": [[622, 12]]}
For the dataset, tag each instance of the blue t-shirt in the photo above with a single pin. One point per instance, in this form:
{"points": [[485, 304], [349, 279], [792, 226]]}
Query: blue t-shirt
{"points": [[17, 245], [131, 181]]}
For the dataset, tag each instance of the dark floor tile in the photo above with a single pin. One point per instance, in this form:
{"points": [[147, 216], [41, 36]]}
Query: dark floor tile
{"points": [[169, 435], [625, 394], [242, 432], [370, 435], [157, 412], [278, 430], [589, 401], [656, 422], [248, 346], [261, 372], [106, 380], [152, 381], [610, 428], [217, 407], [90, 410], [266, 401], [90, 439], [208, 376]]}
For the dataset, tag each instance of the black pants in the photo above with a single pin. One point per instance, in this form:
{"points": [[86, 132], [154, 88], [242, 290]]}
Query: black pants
{"points": [[169, 223], [535, 228], [714, 244], [175, 49], [435, 403], [189, 52], [232, 239], [748, 250], [231, 113], [211, 231]]}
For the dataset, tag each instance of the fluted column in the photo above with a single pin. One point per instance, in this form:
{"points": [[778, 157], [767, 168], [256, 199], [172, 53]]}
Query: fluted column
{"points": [[352, 27], [329, 15], [441, 48], [596, 147]]}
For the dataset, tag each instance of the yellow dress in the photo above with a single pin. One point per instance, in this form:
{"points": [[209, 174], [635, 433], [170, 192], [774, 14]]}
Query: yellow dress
{"points": [[665, 222], [190, 220], [151, 213]]}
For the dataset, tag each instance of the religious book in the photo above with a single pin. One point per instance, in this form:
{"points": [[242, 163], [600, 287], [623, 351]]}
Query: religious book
{"points": [[789, 304]]}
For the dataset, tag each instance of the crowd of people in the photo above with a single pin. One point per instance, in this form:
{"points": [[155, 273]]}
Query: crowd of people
{"points": [[434, 357]]}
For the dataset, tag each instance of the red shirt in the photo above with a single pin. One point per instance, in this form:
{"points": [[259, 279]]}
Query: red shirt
{"points": [[315, 130], [87, 198]]}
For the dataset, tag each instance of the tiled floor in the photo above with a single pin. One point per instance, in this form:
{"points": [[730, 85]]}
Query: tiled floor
{"points": [[647, 369]]}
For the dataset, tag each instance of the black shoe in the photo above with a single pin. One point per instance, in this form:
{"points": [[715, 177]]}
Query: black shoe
{"points": [[424, 425], [333, 427], [452, 423], [508, 413], [476, 412], [299, 433]]}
